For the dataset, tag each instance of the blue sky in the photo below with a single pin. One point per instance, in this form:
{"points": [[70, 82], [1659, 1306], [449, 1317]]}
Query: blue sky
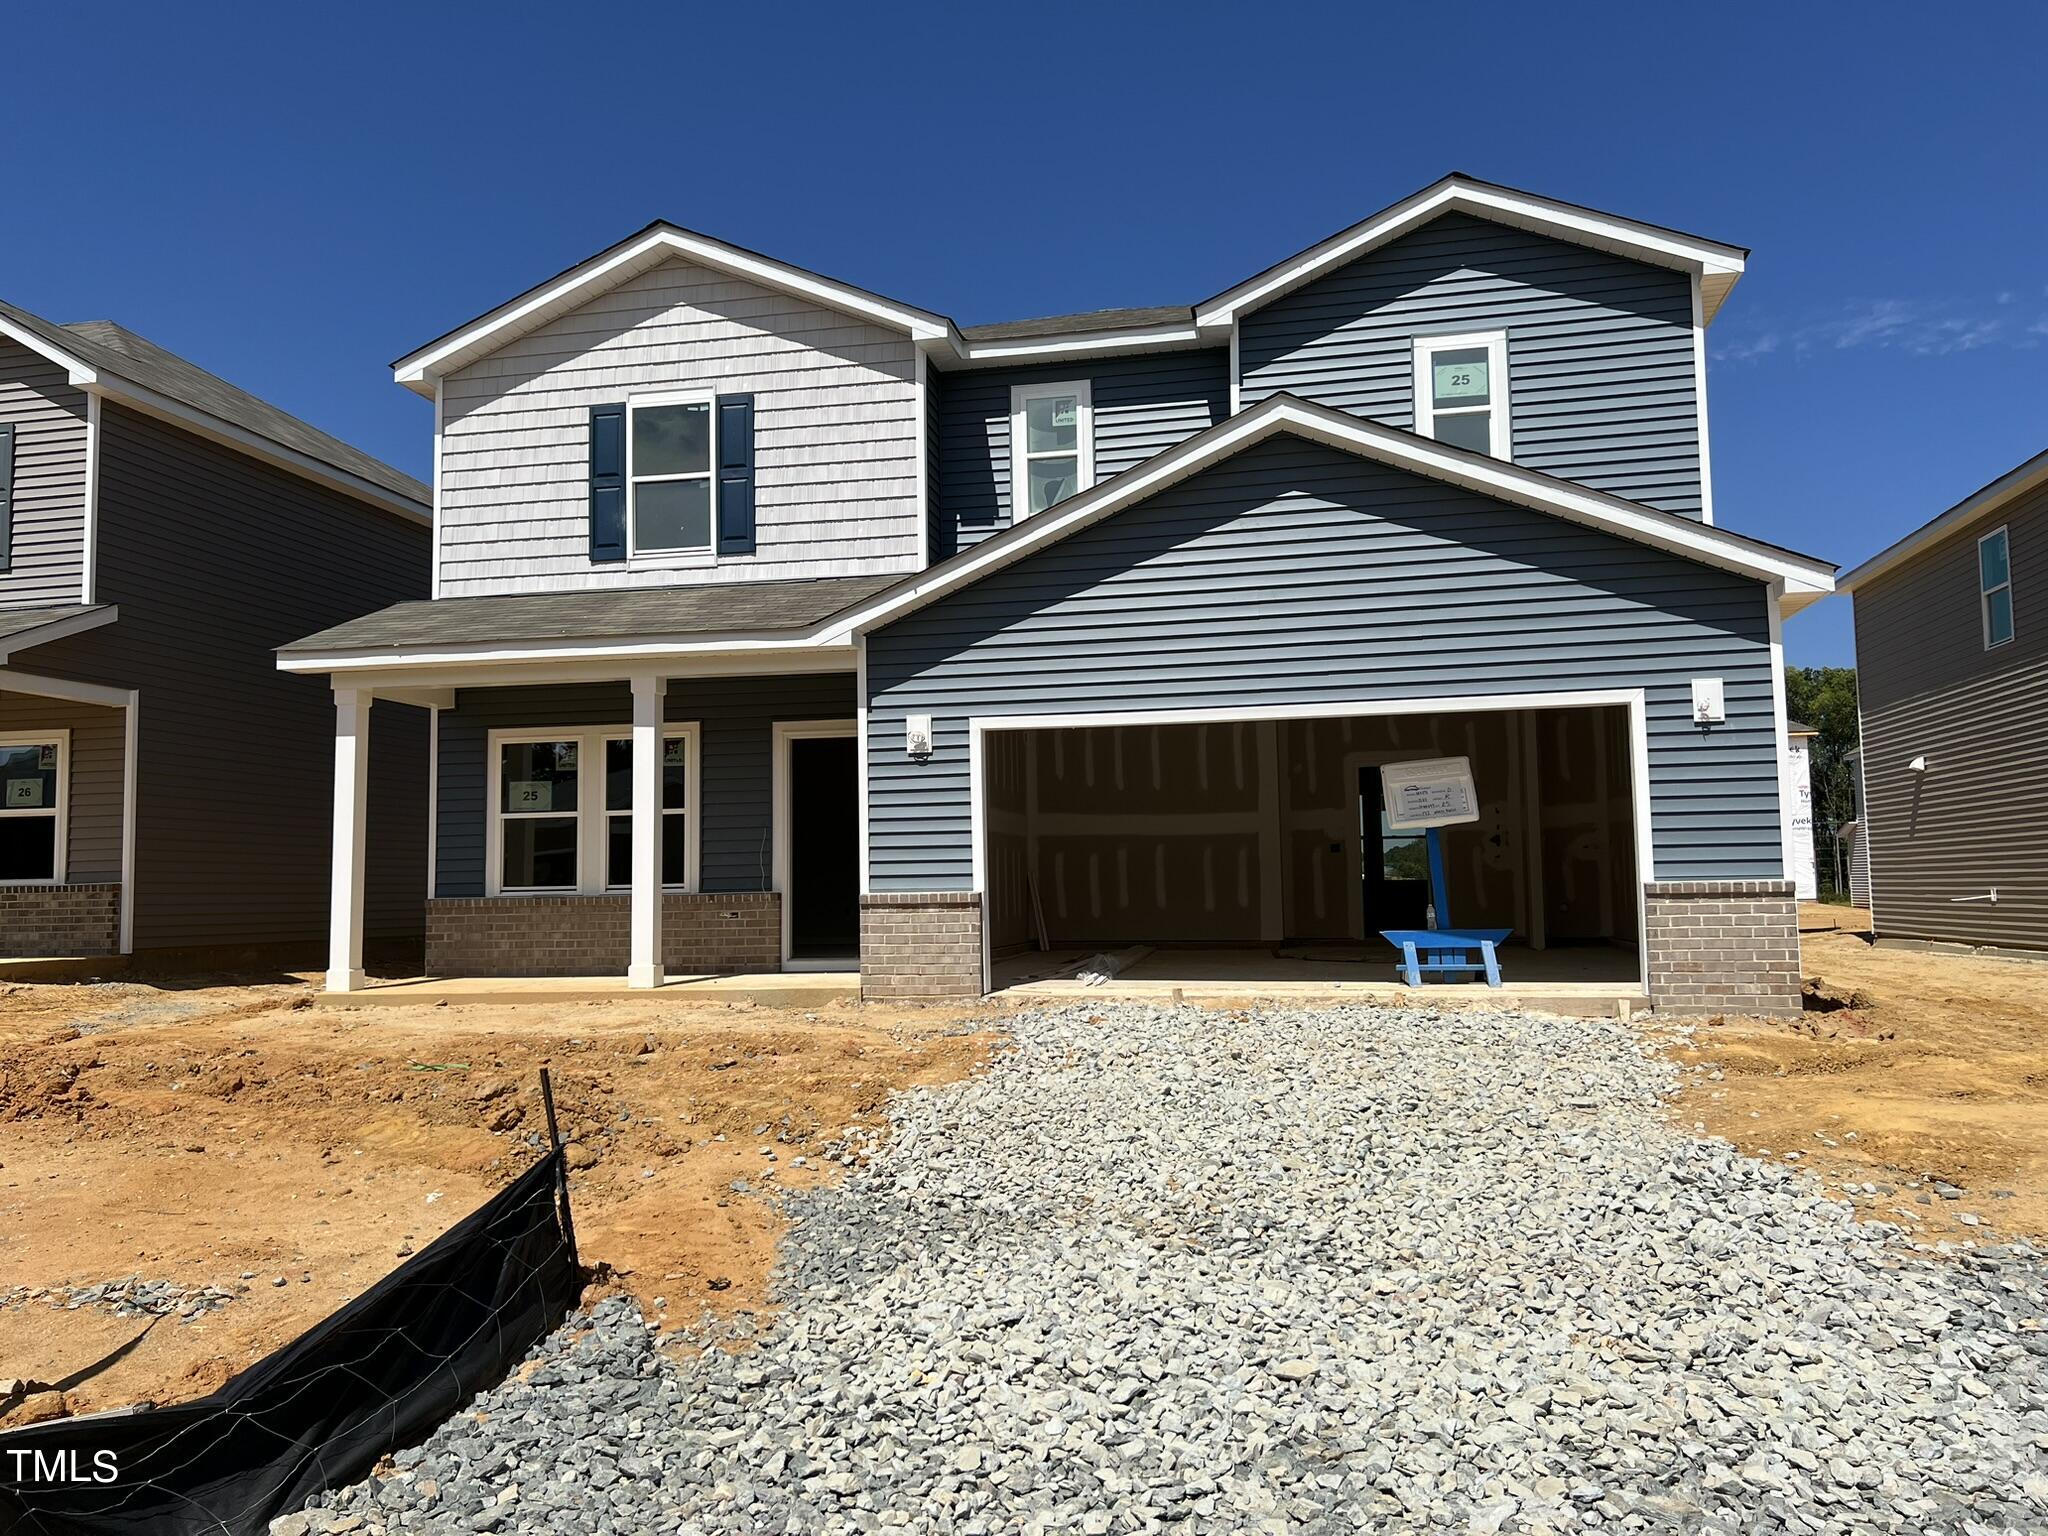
{"points": [[294, 196]]}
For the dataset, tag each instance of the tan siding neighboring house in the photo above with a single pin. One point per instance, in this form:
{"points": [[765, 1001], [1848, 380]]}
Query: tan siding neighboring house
{"points": [[44, 559], [836, 435], [1974, 818]]}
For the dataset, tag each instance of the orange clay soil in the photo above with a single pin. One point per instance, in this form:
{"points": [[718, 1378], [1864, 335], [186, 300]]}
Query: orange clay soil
{"points": [[198, 1133], [1936, 1070]]}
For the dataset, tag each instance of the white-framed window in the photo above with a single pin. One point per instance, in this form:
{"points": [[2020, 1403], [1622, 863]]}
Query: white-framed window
{"points": [[1052, 445], [678, 772], [1994, 586], [671, 450], [1461, 391], [561, 818], [34, 774]]}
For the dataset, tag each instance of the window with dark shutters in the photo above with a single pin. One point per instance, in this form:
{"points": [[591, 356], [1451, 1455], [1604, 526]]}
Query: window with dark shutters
{"points": [[608, 482], [735, 474]]}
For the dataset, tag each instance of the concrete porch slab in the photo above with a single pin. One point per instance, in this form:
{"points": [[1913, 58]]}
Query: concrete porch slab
{"points": [[771, 989]]}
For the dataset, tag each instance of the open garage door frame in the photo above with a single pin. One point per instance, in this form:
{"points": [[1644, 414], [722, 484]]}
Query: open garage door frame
{"points": [[979, 728]]}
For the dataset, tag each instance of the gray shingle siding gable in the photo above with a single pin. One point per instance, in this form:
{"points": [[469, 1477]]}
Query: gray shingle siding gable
{"points": [[1142, 405], [1295, 574], [1601, 365], [736, 716]]}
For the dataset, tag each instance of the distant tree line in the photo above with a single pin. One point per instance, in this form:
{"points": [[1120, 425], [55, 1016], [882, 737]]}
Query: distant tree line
{"points": [[1825, 698]]}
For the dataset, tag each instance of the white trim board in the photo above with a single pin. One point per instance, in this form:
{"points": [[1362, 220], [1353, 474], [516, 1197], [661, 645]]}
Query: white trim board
{"points": [[782, 733], [1631, 699], [631, 256], [1717, 265]]}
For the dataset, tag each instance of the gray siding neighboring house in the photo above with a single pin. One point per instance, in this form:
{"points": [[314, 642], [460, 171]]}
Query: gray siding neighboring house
{"points": [[42, 479], [1141, 405], [1602, 376], [1298, 574], [1974, 819], [218, 528]]}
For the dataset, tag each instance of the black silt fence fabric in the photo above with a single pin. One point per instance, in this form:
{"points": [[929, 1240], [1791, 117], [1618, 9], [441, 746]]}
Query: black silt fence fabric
{"points": [[374, 1376]]}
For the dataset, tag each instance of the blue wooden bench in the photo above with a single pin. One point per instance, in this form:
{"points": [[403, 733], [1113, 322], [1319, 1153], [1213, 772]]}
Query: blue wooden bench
{"points": [[1440, 951]]}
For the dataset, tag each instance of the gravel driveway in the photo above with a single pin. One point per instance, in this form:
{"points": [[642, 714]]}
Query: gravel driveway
{"points": [[1312, 1270]]}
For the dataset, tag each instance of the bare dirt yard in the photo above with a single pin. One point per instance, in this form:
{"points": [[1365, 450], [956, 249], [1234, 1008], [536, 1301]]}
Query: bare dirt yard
{"points": [[1927, 1077], [234, 1137]]}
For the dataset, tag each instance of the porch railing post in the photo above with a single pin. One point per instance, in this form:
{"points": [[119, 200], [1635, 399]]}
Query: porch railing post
{"points": [[645, 968]]}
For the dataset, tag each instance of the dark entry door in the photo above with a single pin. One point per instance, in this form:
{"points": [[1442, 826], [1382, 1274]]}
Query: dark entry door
{"points": [[1396, 864], [824, 848]]}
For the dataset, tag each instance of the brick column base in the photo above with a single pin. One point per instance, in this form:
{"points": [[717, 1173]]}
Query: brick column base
{"points": [[701, 934], [920, 946], [1723, 946], [51, 922]]}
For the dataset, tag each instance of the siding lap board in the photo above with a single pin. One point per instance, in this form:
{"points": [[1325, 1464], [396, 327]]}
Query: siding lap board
{"points": [[835, 434], [47, 562], [1143, 405], [1977, 819], [1600, 355], [1295, 574]]}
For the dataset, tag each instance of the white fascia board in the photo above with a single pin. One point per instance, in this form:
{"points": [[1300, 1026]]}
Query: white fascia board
{"points": [[1717, 265], [80, 372], [1803, 577], [1992, 499], [150, 403], [606, 659], [417, 370], [57, 629], [1090, 344]]}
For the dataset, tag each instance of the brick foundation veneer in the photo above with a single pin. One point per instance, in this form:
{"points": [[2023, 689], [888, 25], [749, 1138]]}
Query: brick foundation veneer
{"points": [[920, 946], [46, 922], [590, 935], [1723, 946]]}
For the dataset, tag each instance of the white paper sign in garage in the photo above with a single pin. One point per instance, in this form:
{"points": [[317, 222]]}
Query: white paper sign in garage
{"points": [[1430, 792]]}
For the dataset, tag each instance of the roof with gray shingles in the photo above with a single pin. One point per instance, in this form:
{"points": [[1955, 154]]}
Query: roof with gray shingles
{"points": [[116, 350], [751, 608], [1081, 324], [19, 621]]}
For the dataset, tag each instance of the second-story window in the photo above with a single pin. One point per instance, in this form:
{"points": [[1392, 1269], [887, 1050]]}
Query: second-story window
{"points": [[1994, 586], [1052, 450], [670, 447], [1461, 391]]}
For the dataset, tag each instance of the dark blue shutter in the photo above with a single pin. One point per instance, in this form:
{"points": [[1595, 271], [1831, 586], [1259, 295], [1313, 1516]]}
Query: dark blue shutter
{"points": [[735, 474], [607, 482], [6, 494]]}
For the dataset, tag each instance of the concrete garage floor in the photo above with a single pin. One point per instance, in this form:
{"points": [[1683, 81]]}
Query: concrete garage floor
{"points": [[1592, 979]]}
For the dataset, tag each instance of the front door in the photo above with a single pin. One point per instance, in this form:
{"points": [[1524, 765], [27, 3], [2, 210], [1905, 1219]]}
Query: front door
{"points": [[824, 848], [1395, 876]]}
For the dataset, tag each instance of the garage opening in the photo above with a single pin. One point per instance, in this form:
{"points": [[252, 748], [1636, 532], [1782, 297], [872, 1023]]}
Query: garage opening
{"points": [[1258, 850]]}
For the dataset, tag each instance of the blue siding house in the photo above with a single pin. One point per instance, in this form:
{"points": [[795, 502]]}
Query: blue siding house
{"points": [[778, 624]]}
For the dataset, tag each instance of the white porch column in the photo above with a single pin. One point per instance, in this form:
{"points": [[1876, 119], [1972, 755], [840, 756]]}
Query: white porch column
{"points": [[351, 804], [646, 967]]}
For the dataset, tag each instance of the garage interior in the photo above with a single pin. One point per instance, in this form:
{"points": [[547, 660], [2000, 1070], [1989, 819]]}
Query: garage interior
{"points": [[1255, 851]]}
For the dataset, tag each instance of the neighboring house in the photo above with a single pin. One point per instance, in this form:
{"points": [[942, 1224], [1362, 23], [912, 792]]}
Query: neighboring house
{"points": [[777, 623], [1856, 845], [1801, 863], [1952, 684], [162, 787]]}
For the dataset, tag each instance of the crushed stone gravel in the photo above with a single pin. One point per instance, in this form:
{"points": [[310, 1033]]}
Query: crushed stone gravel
{"points": [[1290, 1270]]}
